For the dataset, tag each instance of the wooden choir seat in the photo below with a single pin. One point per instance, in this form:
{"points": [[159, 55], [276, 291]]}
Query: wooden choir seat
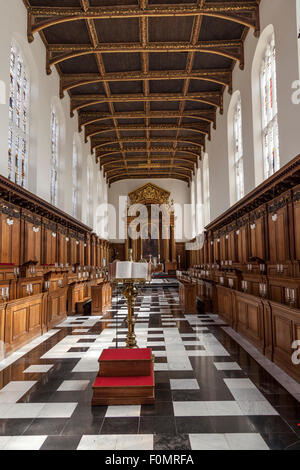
{"points": [[84, 306]]}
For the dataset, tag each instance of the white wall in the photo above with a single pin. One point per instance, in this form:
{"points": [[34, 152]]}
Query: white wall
{"points": [[282, 14], [44, 93]]}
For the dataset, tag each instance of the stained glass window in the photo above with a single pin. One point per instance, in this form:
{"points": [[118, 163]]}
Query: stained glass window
{"points": [[270, 111], [238, 150], [75, 180], [18, 134], [90, 197], [206, 190], [54, 157]]}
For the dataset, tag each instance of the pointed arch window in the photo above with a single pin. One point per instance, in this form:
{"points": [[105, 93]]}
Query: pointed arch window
{"points": [[206, 190], [269, 111], [19, 103], [54, 157], [75, 186], [238, 150], [90, 196]]}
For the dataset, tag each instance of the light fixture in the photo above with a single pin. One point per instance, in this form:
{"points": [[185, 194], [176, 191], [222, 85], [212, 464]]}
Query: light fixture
{"points": [[253, 226], [274, 217], [53, 234], [9, 221]]}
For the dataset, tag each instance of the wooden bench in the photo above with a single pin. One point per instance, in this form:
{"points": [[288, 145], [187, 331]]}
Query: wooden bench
{"points": [[84, 306]]}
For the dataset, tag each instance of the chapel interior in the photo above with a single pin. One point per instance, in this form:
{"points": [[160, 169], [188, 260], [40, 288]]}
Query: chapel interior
{"points": [[163, 134]]}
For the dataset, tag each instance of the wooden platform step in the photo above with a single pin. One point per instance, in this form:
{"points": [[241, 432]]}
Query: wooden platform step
{"points": [[125, 363], [132, 390]]}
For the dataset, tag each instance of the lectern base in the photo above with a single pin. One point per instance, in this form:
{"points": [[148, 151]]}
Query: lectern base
{"points": [[126, 377]]}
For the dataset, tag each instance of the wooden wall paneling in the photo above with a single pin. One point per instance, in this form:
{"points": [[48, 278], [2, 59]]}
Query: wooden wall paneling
{"points": [[56, 307], [257, 238], [223, 248], [73, 250], [62, 246], [2, 326], [87, 251], [216, 250], [225, 304], [93, 250], [286, 329], [278, 235], [10, 238], [268, 329], [80, 252], [50, 251], [250, 319], [242, 245], [23, 321], [296, 225], [31, 236], [232, 246]]}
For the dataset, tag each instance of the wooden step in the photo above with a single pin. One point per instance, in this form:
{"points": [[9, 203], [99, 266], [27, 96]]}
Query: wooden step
{"points": [[125, 362], [124, 390]]}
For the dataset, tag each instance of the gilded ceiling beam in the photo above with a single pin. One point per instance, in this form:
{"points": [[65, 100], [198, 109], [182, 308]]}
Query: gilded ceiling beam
{"points": [[108, 151], [232, 49], [246, 13], [174, 177], [221, 77], [144, 166], [94, 130], [186, 162], [144, 175], [206, 115], [98, 143], [212, 98]]}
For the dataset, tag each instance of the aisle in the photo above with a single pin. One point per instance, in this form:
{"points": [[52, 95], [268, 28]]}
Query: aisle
{"points": [[210, 394]]}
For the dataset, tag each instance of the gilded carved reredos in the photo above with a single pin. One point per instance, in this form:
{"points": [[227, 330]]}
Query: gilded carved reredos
{"points": [[149, 193]]}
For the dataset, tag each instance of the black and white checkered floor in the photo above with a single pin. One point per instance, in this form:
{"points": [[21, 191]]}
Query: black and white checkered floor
{"points": [[210, 393]]}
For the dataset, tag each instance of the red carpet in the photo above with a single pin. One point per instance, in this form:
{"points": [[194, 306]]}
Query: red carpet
{"points": [[126, 355], [124, 381]]}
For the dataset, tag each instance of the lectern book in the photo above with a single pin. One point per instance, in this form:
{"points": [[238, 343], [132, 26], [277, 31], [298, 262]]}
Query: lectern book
{"points": [[129, 270]]}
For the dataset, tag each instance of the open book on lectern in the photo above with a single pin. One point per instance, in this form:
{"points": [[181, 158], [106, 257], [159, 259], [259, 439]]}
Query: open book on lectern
{"points": [[130, 270]]}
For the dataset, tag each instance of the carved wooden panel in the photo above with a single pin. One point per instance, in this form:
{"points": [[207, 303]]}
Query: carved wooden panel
{"points": [[297, 229], [9, 240], [23, 321], [232, 248], [223, 249], [33, 242], [56, 307], [242, 244], [257, 243], [278, 236], [225, 304], [249, 318], [50, 247], [62, 249]]}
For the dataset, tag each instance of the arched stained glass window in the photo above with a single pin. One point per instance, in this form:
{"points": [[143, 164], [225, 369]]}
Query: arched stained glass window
{"points": [[270, 111], [238, 150], [90, 197], [54, 157], [75, 187], [19, 101]]}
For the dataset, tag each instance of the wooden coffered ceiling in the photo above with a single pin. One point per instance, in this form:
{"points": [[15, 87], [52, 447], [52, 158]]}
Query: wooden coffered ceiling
{"points": [[146, 77]]}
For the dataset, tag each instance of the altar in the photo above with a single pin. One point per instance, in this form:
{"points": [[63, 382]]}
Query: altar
{"points": [[156, 241]]}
